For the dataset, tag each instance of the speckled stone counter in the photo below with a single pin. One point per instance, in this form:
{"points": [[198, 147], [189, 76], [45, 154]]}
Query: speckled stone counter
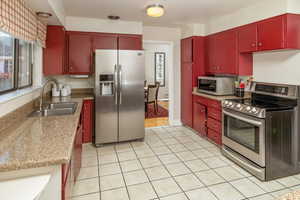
{"points": [[218, 98], [39, 141]]}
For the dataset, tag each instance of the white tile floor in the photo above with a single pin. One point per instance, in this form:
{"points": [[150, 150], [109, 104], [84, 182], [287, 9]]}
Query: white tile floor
{"points": [[173, 163]]}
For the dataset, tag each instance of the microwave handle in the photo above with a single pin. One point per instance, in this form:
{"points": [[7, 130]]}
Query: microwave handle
{"points": [[251, 121]]}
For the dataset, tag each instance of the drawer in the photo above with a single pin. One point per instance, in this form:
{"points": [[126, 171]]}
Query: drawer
{"points": [[214, 136], [214, 113], [214, 125], [214, 104], [201, 100]]}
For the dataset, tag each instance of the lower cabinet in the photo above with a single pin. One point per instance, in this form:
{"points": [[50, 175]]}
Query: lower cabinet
{"points": [[199, 118], [70, 171], [207, 118], [88, 120]]}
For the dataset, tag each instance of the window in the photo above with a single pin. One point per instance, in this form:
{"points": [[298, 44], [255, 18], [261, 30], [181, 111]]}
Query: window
{"points": [[160, 64], [15, 63]]}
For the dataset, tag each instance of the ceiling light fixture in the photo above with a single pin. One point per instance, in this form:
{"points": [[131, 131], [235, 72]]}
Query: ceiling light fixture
{"points": [[43, 14], [155, 10]]}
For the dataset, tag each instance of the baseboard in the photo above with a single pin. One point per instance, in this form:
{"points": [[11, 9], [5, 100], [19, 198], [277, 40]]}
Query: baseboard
{"points": [[175, 123]]}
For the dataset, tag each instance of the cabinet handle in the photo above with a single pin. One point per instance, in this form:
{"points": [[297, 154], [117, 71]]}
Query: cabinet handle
{"points": [[253, 45], [259, 44]]}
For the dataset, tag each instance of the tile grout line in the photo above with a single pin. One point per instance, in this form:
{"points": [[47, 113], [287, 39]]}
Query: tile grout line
{"points": [[145, 170]]}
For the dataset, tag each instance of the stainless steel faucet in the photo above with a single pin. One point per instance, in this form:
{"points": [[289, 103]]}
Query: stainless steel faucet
{"points": [[53, 81]]}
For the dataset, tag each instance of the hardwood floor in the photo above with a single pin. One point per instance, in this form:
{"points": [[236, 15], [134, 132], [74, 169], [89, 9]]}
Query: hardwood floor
{"points": [[160, 121]]}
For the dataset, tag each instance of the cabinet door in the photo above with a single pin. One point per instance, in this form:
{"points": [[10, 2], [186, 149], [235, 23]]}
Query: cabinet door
{"points": [[199, 118], [67, 185], [88, 106], [271, 34], [77, 152], [186, 94], [187, 50], [105, 41], [226, 52], [80, 53], [248, 38], [54, 53], [210, 54], [130, 42]]}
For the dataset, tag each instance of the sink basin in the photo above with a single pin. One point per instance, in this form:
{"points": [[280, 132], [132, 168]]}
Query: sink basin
{"points": [[56, 109]]}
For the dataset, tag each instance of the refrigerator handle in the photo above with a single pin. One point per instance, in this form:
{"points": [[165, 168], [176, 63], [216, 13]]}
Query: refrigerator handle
{"points": [[116, 84], [120, 84]]}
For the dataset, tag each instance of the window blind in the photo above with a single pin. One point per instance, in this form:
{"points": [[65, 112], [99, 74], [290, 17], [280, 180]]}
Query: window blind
{"points": [[21, 22]]}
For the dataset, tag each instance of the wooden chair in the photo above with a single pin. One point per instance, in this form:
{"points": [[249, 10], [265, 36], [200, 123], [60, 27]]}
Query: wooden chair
{"points": [[151, 97]]}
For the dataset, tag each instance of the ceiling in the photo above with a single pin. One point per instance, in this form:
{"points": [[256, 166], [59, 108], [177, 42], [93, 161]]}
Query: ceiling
{"points": [[177, 11]]}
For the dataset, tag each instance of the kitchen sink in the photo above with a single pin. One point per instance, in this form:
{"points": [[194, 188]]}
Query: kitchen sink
{"points": [[56, 109]]}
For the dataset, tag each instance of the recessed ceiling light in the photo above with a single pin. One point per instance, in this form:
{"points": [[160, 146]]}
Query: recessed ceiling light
{"points": [[155, 10], [43, 14], [113, 17]]}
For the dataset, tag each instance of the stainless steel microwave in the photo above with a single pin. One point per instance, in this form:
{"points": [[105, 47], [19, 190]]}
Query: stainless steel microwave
{"points": [[216, 85]]}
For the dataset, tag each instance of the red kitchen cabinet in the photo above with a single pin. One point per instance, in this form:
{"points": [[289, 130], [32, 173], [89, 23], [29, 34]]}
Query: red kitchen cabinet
{"points": [[77, 152], [223, 56], [79, 53], [280, 32], [186, 94], [54, 53], [70, 170], [248, 38], [271, 34], [105, 41], [192, 66], [199, 118], [130, 42], [187, 50], [88, 120]]}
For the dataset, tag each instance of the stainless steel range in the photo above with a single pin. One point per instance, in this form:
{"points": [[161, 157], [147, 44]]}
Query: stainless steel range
{"points": [[261, 133]]}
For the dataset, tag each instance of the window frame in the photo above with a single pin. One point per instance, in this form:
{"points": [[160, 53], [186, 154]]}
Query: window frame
{"points": [[16, 66], [164, 67]]}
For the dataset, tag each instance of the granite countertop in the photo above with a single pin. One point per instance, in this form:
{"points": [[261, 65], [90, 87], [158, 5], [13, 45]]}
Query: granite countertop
{"points": [[40, 141], [218, 98]]}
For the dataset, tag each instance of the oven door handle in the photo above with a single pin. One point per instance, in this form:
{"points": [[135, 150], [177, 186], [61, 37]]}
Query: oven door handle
{"points": [[251, 121]]}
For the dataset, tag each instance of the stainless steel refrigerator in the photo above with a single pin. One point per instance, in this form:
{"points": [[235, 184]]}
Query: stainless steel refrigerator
{"points": [[119, 96]]}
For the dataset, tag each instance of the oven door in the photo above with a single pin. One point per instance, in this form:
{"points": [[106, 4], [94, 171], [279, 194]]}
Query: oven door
{"points": [[245, 135]]}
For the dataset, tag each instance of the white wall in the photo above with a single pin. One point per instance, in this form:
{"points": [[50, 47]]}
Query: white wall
{"points": [[150, 49], [76, 82], [101, 25], [172, 35], [277, 67], [188, 30], [262, 10]]}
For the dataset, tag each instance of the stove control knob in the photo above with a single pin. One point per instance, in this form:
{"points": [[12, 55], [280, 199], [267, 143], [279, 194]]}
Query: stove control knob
{"points": [[248, 108], [230, 103], [238, 105], [254, 110]]}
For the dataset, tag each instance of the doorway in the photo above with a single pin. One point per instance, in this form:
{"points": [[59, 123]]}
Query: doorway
{"points": [[158, 67]]}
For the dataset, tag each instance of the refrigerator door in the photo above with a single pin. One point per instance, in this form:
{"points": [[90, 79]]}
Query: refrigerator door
{"points": [[106, 98], [131, 97]]}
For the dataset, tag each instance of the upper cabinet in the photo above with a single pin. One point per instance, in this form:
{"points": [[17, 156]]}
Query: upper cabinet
{"points": [[72, 52], [80, 53], [248, 38], [187, 50], [105, 41], [280, 32], [54, 54], [223, 57], [130, 42]]}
